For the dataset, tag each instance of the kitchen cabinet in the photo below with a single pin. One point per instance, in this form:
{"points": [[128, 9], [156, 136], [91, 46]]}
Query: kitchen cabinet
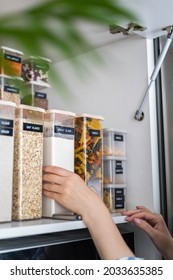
{"points": [[114, 90]]}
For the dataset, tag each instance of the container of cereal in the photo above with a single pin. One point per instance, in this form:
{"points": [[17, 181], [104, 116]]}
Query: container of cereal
{"points": [[10, 61], [36, 69], [58, 150], [7, 113], [28, 162], [88, 150], [10, 89], [114, 142], [114, 197], [114, 170]]}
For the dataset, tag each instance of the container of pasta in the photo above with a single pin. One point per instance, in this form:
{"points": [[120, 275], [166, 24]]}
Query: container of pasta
{"points": [[36, 69], [10, 89], [114, 142], [88, 150], [114, 170], [7, 113], [10, 61], [58, 150], [114, 197], [28, 162]]}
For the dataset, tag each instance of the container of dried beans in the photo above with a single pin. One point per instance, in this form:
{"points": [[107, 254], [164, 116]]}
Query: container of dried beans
{"points": [[88, 150], [28, 161]]}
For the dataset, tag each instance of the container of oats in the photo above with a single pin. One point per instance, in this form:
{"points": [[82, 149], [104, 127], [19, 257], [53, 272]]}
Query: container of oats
{"points": [[28, 161], [114, 170], [36, 69], [88, 150], [7, 113], [114, 197], [58, 150], [114, 142], [10, 89], [10, 61]]}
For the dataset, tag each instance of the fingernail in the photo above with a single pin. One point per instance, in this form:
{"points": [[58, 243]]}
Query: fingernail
{"points": [[137, 221]]}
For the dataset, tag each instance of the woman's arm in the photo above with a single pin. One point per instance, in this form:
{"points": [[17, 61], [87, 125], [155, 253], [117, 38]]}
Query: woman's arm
{"points": [[68, 189]]}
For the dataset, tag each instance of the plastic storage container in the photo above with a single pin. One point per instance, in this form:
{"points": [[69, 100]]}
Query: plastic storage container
{"points": [[7, 112], [114, 197], [88, 150], [114, 142], [114, 170], [10, 89], [36, 69], [10, 61], [58, 150], [35, 95], [28, 162]]}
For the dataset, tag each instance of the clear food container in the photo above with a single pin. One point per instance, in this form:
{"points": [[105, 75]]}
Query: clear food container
{"points": [[114, 142], [114, 170], [10, 61], [36, 69], [10, 89], [7, 112], [114, 197], [28, 162], [88, 150], [58, 150]]}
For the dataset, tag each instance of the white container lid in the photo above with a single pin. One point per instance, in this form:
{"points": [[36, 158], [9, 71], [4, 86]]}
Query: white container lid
{"points": [[37, 57], [9, 103], [90, 116], [42, 84], [62, 112], [27, 107], [114, 130], [11, 50], [114, 186], [114, 158], [11, 77]]}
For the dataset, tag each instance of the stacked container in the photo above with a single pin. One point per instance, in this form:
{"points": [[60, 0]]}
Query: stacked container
{"points": [[35, 74], [28, 157], [7, 112], [114, 169], [58, 150], [88, 150], [10, 89]]}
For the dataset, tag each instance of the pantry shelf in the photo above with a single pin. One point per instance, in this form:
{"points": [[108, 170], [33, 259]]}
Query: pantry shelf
{"points": [[43, 226]]}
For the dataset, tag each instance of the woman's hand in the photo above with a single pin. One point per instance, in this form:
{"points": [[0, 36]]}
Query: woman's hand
{"points": [[154, 225]]}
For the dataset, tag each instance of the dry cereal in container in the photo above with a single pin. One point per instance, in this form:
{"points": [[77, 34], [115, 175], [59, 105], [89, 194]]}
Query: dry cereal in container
{"points": [[28, 161], [10, 89], [114, 197], [114, 142]]}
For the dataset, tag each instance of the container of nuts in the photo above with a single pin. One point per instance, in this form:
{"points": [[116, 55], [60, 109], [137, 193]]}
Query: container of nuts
{"points": [[10, 89], [88, 150], [10, 61], [7, 113], [28, 161]]}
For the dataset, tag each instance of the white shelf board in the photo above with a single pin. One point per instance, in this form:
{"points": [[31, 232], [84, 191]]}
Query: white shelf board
{"points": [[43, 226]]}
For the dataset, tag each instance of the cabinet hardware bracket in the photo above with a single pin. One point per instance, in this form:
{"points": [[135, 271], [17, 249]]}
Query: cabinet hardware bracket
{"points": [[139, 115]]}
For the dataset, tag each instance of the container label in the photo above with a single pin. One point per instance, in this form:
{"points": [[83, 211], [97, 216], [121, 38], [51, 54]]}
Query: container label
{"points": [[119, 199], [119, 171], [11, 89], [94, 133], [12, 58], [6, 131], [119, 205], [118, 167], [42, 66], [119, 191], [118, 137], [40, 95], [6, 123], [33, 127], [63, 130]]}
